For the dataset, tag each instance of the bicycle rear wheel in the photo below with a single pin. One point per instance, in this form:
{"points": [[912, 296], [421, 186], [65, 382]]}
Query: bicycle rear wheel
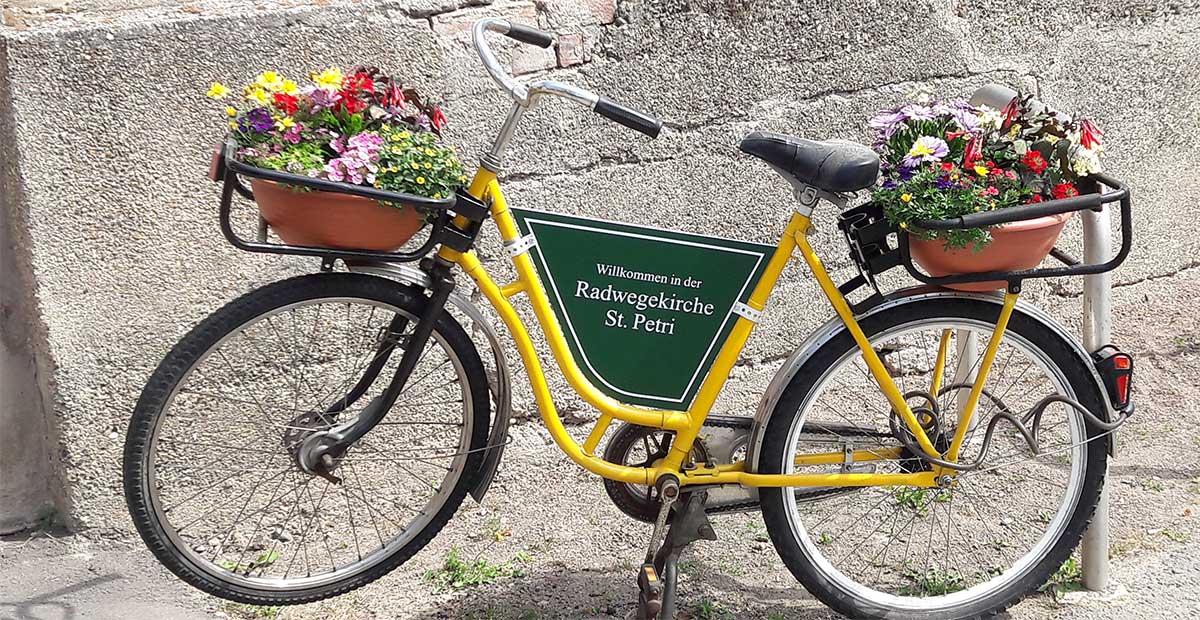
{"points": [[212, 478], [965, 551]]}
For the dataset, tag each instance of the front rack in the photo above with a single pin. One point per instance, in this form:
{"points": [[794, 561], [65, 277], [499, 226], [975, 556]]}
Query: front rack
{"points": [[872, 250], [444, 231]]}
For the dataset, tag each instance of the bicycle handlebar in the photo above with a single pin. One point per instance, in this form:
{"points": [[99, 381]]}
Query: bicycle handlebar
{"points": [[525, 94], [532, 36]]}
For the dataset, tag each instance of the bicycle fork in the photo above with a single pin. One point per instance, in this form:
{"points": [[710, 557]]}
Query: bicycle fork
{"points": [[319, 452]]}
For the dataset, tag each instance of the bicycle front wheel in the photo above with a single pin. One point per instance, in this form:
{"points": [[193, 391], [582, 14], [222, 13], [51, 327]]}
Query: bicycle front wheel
{"points": [[976, 546], [212, 478]]}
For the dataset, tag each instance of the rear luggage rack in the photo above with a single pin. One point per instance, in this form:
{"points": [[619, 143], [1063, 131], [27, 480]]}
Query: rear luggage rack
{"points": [[873, 250]]}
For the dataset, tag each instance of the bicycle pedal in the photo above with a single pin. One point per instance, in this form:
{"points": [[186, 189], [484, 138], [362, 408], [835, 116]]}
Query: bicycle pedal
{"points": [[650, 591]]}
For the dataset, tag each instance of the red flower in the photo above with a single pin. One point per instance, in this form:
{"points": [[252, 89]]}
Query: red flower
{"points": [[991, 191], [437, 119], [947, 167], [393, 95], [1009, 113], [972, 153], [950, 135], [350, 103], [285, 102], [1064, 190], [359, 81], [1034, 161], [1089, 134], [1036, 198]]}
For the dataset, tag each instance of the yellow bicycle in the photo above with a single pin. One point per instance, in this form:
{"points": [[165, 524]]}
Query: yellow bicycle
{"points": [[929, 453]]}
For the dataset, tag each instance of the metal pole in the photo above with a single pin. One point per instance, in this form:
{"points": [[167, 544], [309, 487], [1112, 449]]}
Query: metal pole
{"points": [[966, 352], [1097, 332]]}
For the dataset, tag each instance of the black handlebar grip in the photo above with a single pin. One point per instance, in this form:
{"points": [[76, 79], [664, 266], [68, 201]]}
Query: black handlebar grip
{"points": [[532, 36], [630, 118]]}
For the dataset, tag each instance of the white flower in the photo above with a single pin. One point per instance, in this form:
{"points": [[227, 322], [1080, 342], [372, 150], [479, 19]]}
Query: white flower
{"points": [[989, 118], [1085, 161]]}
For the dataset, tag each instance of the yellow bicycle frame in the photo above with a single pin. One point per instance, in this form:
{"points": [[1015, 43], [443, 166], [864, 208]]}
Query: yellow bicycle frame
{"points": [[687, 425]]}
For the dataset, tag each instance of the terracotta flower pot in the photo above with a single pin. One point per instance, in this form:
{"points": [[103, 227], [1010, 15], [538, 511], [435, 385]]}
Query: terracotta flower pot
{"points": [[1015, 246], [332, 220]]}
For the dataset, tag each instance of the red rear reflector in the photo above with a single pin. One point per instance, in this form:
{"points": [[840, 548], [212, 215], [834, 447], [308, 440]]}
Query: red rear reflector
{"points": [[1116, 369], [1123, 388]]}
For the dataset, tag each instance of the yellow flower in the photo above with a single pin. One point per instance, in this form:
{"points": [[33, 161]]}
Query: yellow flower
{"points": [[217, 90], [230, 112], [906, 197], [904, 225], [233, 125], [462, 177], [256, 94], [404, 134], [981, 170], [430, 152], [394, 137], [428, 166], [415, 166], [289, 87], [329, 78], [420, 180], [269, 80], [284, 123], [437, 195]]}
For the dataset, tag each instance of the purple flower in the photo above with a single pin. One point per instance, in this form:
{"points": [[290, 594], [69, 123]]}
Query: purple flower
{"points": [[323, 99], [918, 112], [926, 149], [886, 123], [258, 120], [966, 118], [292, 135], [944, 183]]}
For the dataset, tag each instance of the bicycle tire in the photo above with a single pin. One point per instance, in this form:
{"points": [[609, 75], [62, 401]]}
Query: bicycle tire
{"points": [[211, 331], [792, 403]]}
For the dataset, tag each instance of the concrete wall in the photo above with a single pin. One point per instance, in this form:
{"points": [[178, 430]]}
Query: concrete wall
{"points": [[124, 254], [30, 485]]}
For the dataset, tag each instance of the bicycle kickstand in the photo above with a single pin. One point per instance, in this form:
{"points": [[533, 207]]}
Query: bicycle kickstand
{"points": [[658, 579]]}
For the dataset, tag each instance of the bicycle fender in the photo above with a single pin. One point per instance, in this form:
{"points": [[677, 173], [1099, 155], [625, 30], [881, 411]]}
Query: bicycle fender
{"points": [[833, 327], [499, 382]]}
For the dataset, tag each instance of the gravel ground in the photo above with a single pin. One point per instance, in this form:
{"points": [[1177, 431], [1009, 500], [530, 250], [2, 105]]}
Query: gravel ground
{"points": [[567, 553]]}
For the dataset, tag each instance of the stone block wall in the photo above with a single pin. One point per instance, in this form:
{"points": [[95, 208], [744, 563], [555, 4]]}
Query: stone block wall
{"points": [[112, 224]]}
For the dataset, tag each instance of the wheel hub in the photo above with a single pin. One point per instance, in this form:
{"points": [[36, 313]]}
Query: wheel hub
{"points": [[304, 439]]}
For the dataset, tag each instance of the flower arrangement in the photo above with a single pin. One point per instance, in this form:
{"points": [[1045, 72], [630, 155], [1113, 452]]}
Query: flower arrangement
{"points": [[947, 159], [360, 127]]}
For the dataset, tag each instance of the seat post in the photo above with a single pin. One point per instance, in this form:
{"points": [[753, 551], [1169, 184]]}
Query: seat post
{"points": [[808, 197]]}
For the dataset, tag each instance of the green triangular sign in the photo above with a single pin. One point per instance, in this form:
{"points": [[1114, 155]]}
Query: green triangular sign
{"points": [[644, 310]]}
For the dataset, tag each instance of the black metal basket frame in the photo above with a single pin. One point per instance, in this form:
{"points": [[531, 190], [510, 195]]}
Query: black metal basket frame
{"points": [[443, 231], [867, 231]]}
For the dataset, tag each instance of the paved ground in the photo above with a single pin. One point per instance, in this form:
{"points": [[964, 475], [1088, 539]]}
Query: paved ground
{"points": [[571, 553]]}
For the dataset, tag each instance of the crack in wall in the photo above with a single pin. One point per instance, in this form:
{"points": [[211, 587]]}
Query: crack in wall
{"points": [[1058, 289]]}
